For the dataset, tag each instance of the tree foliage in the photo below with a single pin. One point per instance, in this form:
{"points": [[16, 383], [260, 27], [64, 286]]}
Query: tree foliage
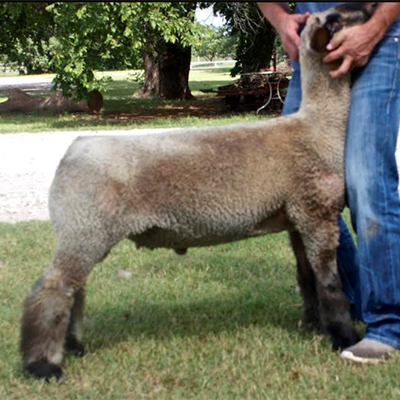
{"points": [[95, 33], [26, 33], [75, 39], [90, 36], [256, 37], [215, 42]]}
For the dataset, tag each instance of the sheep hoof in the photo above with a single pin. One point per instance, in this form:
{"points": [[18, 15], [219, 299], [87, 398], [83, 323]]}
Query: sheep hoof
{"points": [[42, 369], [309, 325], [310, 321], [74, 347], [342, 337]]}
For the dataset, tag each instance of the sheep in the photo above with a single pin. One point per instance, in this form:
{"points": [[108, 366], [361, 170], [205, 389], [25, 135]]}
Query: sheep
{"points": [[201, 187]]}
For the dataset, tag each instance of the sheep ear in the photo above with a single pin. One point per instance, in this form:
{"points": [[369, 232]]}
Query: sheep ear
{"points": [[320, 39]]}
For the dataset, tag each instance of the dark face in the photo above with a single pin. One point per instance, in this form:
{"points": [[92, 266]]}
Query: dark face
{"points": [[349, 14], [323, 26]]}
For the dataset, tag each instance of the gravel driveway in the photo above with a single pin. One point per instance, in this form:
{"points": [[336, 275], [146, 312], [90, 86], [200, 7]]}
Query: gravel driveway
{"points": [[28, 162]]}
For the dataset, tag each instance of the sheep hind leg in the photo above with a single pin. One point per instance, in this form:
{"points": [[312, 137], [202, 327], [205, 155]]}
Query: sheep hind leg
{"points": [[306, 281], [74, 332], [53, 309], [334, 309]]}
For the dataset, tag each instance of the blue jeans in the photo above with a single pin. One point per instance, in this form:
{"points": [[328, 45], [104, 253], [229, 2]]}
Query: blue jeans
{"points": [[370, 272]]}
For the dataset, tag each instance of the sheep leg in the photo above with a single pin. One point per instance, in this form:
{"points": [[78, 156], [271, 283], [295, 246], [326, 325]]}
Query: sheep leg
{"points": [[306, 281], [74, 332], [45, 319], [334, 309], [53, 309]]}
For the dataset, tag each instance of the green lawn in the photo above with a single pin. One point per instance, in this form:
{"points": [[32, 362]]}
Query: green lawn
{"points": [[218, 323], [123, 111]]}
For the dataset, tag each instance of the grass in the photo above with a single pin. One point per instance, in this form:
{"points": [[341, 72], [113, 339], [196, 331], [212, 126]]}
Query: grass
{"points": [[122, 111], [218, 323]]}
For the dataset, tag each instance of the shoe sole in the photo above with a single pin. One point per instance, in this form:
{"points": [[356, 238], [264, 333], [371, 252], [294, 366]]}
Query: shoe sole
{"points": [[348, 355]]}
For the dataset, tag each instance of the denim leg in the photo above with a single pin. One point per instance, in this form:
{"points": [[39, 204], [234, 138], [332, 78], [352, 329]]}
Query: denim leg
{"points": [[293, 96], [372, 189], [347, 262], [347, 251]]}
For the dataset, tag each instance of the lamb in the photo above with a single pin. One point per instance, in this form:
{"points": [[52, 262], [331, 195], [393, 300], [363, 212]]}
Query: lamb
{"points": [[201, 187]]}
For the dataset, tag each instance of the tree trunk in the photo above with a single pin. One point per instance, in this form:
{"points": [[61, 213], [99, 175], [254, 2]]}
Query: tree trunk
{"points": [[167, 72], [151, 85], [174, 72], [167, 65]]}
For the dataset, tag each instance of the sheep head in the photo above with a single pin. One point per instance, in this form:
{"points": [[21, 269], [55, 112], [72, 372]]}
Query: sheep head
{"points": [[321, 27]]}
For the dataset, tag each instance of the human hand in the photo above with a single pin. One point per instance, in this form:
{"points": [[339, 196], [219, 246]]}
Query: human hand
{"points": [[353, 46], [288, 27]]}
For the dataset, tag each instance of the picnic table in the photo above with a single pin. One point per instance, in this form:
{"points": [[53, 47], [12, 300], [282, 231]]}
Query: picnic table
{"points": [[259, 88]]}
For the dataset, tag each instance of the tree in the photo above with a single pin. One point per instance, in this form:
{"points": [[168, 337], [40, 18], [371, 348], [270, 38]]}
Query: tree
{"points": [[90, 35], [215, 42], [228, 44], [25, 35], [170, 32], [256, 36]]}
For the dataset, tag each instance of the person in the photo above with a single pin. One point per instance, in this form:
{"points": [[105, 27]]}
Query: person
{"points": [[370, 273]]}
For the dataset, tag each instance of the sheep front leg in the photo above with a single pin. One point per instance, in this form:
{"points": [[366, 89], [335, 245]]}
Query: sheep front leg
{"points": [[306, 281], [334, 309]]}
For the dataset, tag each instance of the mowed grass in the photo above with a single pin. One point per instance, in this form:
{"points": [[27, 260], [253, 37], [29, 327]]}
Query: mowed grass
{"points": [[122, 110], [218, 323]]}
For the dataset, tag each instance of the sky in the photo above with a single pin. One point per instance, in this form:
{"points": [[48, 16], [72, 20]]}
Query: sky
{"points": [[206, 17]]}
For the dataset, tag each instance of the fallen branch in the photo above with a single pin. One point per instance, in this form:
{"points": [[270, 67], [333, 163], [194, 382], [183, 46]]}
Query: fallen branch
{"points": [[21, 101]]}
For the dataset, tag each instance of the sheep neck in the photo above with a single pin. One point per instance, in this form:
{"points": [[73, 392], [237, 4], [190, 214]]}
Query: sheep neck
{"points": [[325, 102]]}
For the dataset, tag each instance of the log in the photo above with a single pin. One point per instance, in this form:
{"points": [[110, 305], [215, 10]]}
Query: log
{"points": [[21, 101]]}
